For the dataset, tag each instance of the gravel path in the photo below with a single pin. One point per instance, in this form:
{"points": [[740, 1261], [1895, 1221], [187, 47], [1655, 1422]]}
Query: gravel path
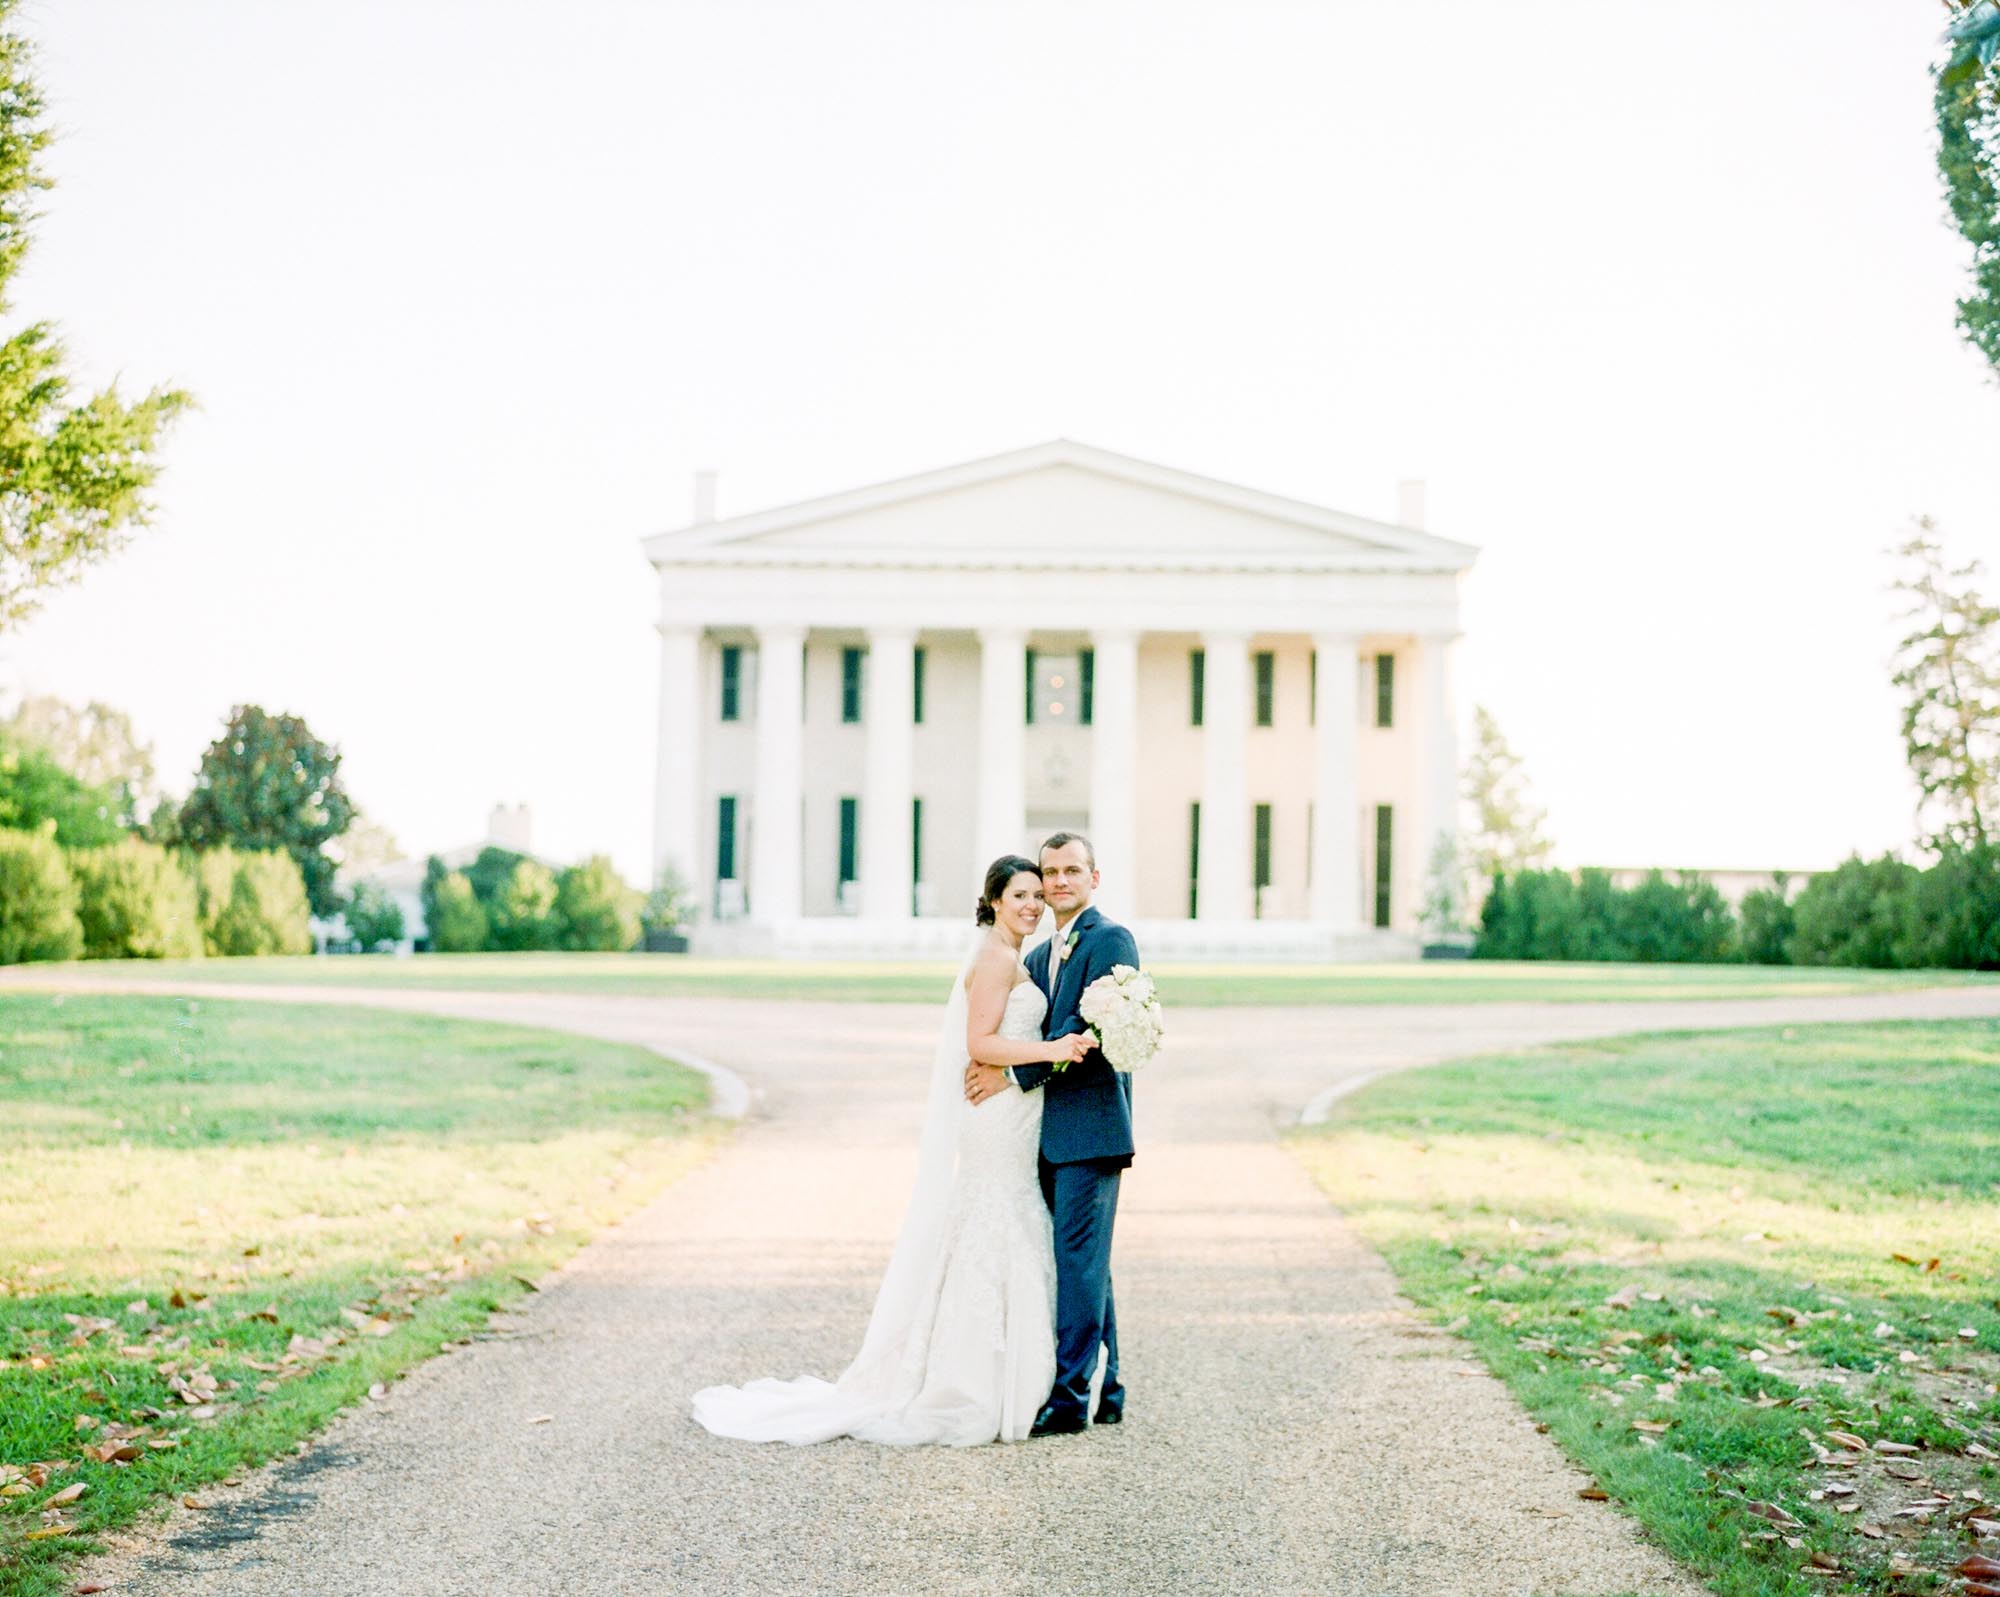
{"points": [[1291, 1428]]}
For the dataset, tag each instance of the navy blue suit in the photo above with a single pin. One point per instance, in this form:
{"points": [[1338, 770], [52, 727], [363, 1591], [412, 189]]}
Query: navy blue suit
{"points": [[1086, 1144]]}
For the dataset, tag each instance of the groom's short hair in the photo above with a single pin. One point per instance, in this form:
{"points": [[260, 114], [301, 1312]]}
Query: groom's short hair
{"points": [[1060, 839]]}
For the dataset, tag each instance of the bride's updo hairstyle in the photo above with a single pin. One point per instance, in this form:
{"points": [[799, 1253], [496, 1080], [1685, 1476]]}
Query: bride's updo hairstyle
{"points": [[998, 875]]}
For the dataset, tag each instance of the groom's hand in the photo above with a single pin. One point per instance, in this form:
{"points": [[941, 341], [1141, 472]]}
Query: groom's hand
{"points": [[982, 1082]]}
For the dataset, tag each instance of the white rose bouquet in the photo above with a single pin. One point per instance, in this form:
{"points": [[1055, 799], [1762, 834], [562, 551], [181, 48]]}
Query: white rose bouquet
{"points": [[1124, 1014]]}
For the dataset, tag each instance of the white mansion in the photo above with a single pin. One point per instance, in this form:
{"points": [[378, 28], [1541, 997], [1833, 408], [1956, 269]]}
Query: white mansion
{"points": [[1244, 700]]}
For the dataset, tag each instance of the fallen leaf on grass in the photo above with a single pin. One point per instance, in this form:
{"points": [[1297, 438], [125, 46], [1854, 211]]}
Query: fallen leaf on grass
{"points": [[540, 1419], [1896, 1447], [190, 1502], [1848, 1440], [1594, 1494], [68, 1494], [1976, 1566], [1653, 1427], [48, 1530], [1772, 1512]]}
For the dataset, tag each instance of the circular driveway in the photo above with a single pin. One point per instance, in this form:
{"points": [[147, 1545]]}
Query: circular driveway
{"points": [[1291, 1427]]}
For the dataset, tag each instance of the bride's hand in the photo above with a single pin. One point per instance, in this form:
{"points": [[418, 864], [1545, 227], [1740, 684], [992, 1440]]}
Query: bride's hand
{"points": [[1071, 1050]]}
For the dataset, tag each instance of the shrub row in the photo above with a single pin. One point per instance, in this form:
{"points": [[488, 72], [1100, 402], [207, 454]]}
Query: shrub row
{"points": [[1884, 913], [505, 901], [133, 899]]}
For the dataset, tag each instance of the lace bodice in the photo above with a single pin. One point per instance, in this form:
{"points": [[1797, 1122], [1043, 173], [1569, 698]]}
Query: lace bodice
{"points": [[1021, 1020]]}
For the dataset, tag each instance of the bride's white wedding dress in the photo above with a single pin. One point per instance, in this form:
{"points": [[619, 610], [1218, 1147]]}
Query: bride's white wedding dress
{"points": [[960, 1347]]}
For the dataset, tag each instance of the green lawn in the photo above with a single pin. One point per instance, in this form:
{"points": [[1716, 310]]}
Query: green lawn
{"points": [[1750, 1281], [1192, 985], [225, 1221]]}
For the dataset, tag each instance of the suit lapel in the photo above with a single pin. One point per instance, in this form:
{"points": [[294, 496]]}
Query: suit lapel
{"points": [[1080, 928]]}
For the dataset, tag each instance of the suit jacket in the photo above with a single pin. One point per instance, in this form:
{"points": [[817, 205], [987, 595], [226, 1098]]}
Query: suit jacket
{"points": [[1086, 1107]]}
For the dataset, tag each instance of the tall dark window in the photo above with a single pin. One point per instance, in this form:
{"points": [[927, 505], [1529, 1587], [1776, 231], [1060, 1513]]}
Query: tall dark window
{"points": [[848, 839], [1197, 666], [1029, 712], [1262, 857], [1385, 691], [725, 838], [1194, 857], [850, 687], [917, 686], [1267, 685], [916, 841], [1383, 855], [1086, 682], [732, 682]]}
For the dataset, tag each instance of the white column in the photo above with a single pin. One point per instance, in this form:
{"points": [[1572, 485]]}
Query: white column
{"points": [[890, 774], [1114, 768], [677, 773], [1437, 812], [1336, 866], [1223, 886], [1001, 816], [778, 815]]}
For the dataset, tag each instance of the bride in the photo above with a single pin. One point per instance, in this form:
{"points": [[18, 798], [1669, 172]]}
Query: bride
{"points": [[961, 1345]]}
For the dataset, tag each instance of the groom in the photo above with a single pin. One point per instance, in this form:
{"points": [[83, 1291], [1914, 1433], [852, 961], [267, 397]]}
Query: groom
{"points": [[1086, 1136]]}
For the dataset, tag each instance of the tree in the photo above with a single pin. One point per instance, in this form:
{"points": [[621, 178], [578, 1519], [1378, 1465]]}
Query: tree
{"points": [[671, 903], [489, 873], [1967, 104], [1443, 912], [1507, 832], [373, 917], [595, 909], [522, 912], [455, 919], [35, 789], [1855, 914], [136, 901], [1948, 667], [1765, 936], [267, 782], [95, 744], [74, 478], [38, 899], [266, 910]]}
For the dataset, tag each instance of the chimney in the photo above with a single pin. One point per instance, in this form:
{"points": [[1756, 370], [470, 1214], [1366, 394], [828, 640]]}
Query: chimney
{"points": [[704, 497], [1410, 503], [510, 826]]}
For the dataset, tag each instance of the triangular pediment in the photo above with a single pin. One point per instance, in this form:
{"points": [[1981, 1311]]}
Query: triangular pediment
{"points": [[1061, 503]]}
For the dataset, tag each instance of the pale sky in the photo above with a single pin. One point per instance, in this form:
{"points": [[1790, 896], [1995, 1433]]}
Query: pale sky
{"points": [[1656, 294]]}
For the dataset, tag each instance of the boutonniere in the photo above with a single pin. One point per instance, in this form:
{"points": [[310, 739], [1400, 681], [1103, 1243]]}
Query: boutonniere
{"points": [[1069, 943]]}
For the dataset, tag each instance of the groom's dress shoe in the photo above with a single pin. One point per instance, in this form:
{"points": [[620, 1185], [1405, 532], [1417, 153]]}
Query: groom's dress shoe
{"points": [[1053, 1421], [1110, 1413]]}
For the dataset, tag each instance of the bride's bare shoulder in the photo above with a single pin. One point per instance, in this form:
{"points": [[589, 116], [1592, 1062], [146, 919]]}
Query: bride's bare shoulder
{"points": [[991, 967]]}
